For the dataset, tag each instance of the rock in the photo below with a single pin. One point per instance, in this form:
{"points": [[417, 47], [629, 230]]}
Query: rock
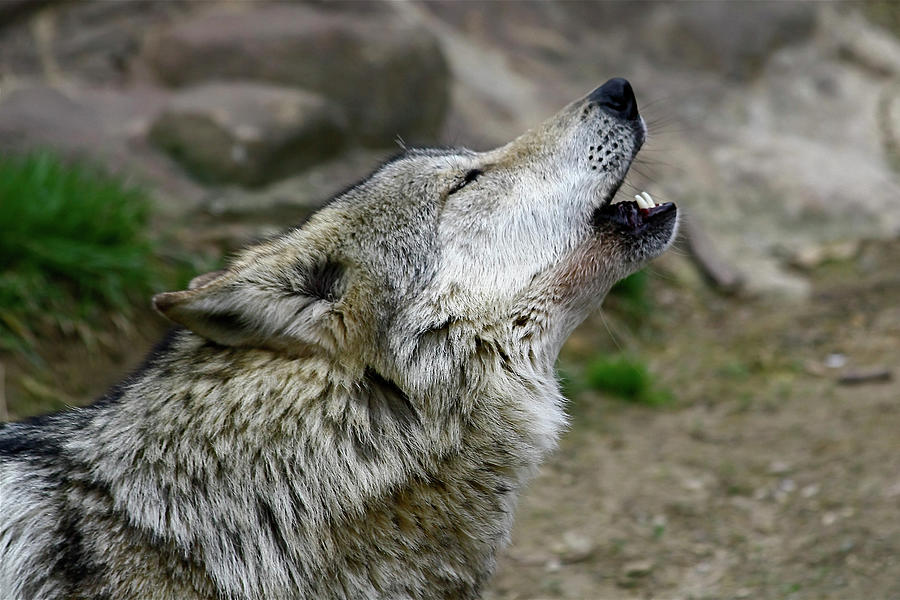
{"points": [[10, 10], [779, 467], [794, 163], [388, 75], [813, 256], [42, 117], [293, 199], [248, 133], [93, 41], [731, 38], [633, 571], [574, 547], [859, 41], [96, 127]]}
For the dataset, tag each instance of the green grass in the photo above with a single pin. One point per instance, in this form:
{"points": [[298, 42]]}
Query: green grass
{"points": [[630, 297], [73, 243], [885, 13], [626, 378]]}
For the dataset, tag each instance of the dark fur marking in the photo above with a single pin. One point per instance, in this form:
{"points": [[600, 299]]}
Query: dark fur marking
{"points": [[236, 544], [226, 321], [33, 438], [73, 564], [471, 176], [390, 397], [364, 448], [436, 334], [268, 520], [320, 280]]}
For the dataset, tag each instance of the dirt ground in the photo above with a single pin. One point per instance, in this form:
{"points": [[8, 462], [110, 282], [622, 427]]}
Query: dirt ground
{"points": [[764, 478]]}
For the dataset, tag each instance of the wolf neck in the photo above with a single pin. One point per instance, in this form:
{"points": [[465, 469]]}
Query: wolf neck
{"points": [[296, 446]]}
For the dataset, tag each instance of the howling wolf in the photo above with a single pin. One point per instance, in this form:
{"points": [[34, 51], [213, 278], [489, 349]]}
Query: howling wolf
{"points": [[350, 409]]}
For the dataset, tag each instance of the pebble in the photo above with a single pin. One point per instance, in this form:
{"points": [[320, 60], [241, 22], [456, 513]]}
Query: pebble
{"points": [[779, 467], [574, 547], [637, 568]]}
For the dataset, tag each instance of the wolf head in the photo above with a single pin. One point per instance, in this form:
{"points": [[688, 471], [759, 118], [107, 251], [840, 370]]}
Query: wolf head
{"points": [[440, 249]]}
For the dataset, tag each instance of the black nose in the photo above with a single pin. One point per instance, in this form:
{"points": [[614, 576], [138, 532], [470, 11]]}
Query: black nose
{"points": [[616, 98]]}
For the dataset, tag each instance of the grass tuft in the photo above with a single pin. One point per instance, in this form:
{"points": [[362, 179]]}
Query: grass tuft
{"points": [[630, 297], [73, 242], [626, 378]]}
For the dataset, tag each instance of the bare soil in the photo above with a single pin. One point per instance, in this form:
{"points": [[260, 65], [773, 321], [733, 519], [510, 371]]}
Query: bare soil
{"points": [[764, 478]]}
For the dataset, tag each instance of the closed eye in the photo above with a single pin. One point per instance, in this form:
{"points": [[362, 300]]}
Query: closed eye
{"points": [[469, 178]]}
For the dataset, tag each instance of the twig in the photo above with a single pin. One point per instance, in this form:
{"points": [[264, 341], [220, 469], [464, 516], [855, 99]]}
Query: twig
{"points": [[865, 376], [702, 250]]}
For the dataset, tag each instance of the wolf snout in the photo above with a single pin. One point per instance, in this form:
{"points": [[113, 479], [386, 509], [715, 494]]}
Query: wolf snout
{"points": [[617, 98]]}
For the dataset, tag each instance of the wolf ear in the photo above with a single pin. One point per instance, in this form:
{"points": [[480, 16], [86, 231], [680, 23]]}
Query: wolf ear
{"points": [[201, 280], [257, 307]]}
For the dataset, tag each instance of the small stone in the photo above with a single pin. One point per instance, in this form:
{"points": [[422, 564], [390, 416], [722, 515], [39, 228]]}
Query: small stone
{"points": [[574, 547], [835, 360], [693, 484], [810, 490], [637, 568], [779, 467], [810, 257], [787, 485]]}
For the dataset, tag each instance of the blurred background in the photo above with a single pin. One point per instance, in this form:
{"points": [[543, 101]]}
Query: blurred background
{"points": [[735, 405]]}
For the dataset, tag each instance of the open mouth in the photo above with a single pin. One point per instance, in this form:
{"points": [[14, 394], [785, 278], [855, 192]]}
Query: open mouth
{"points": [[634, 216]]}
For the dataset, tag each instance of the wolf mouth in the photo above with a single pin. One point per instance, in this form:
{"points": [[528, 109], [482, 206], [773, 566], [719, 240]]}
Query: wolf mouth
{"points": [[632, 216], [635, 216]]}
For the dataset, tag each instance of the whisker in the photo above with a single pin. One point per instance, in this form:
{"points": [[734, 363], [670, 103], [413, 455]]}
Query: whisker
{"points": [[609, 330]]}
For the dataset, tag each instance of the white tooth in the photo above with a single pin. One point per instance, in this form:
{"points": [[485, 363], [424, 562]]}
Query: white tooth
{"points": [[640, 201], [649, 199]]}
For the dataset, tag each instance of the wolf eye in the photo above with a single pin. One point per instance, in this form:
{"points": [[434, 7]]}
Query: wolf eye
{"points": [[469, 178]]}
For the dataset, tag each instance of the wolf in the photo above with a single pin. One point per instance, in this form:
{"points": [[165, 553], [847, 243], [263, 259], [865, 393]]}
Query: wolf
{"points": [[350, 409]]}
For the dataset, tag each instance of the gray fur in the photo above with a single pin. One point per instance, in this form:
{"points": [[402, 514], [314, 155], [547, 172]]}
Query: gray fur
{"points": [[350, 410]]}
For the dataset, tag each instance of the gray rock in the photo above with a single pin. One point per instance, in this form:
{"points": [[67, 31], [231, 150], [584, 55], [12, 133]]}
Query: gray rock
{"points": [[99, 127], [291, 200], [389, 76], [248, 133], [91, 40], [731, 38], [637, 568], [233, 216], [859, 41], [11, 10], [43, 117], [574, 547]]}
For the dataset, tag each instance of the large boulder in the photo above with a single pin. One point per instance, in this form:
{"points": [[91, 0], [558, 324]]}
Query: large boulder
{"points": [[92, 41], [102, 127], [43, 117], [731, 38], [248, 133], [389, 76]]}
